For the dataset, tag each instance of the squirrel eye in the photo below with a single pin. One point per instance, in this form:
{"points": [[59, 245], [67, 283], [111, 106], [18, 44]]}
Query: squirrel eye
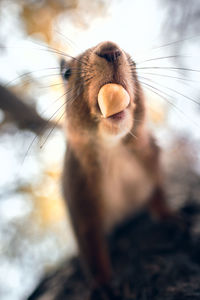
{"points": [[66, 73], [65, 70]]}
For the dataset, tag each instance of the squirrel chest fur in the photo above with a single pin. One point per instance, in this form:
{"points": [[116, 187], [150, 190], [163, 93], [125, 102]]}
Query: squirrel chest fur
{"points": [[112, 162], [126, 185]]}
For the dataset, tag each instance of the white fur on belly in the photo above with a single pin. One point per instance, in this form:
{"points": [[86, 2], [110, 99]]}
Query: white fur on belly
{"points": [[122, 176]]}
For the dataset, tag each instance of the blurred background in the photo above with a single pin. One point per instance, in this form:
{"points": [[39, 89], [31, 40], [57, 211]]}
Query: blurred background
{"points": [[161, 36]]}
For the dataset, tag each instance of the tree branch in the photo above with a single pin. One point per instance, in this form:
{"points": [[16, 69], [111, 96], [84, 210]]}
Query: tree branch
{"points": [[25, 116]]}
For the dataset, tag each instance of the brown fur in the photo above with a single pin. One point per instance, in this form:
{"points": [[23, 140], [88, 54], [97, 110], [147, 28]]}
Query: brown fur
{"points": [[108, 172]]}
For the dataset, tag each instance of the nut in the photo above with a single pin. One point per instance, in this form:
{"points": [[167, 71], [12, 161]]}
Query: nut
{"points": [[112, 99]]}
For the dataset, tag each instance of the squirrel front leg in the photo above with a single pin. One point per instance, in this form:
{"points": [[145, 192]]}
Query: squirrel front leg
{"points": [[82, 193]]}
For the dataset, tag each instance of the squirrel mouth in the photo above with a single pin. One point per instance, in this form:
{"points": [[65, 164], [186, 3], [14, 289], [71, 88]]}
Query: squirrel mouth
{"points": [[113, 99], [118, 116]]}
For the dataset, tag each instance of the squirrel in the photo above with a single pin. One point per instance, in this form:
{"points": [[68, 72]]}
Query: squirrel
{"points": [[112, 164]]}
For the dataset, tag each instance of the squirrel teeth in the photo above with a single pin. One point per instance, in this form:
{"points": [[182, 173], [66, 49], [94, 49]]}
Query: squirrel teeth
{"points": [[112, 99]]}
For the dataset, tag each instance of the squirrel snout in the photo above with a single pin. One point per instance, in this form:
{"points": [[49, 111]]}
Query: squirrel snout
{"points": [[109, 51]]}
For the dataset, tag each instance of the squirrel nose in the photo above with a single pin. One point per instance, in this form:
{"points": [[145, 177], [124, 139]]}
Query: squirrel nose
{"points": [[109, 52]]}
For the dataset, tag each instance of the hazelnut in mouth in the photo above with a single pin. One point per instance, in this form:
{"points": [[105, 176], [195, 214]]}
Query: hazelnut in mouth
{"points": [[113, 99]]}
